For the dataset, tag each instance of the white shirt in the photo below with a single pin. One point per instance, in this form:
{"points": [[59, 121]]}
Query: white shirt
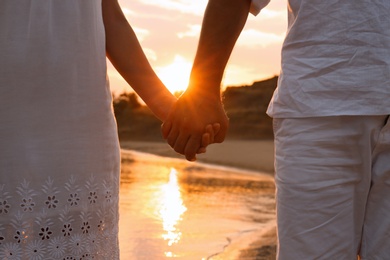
{"points": [[335, 59]]}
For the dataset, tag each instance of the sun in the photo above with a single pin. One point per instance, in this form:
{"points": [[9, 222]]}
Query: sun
{"points": [[176, 75]]}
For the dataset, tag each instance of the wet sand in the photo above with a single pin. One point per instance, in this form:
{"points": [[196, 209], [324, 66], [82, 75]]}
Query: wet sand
{"points": [[171, 208], [251, 155]]}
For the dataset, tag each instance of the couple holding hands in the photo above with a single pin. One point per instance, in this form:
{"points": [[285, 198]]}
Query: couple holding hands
{"points": [[197, 119], [60, 155]]}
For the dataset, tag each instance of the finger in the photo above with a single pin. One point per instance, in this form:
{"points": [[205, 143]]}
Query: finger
{"points": [[220, 136], [208, 130], [166, 128], [205, 140], [181, 142], [173, 135], [192, 147]]}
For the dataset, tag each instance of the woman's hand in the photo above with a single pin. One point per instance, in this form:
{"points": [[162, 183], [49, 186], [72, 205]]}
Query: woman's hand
{"points": [[195, 122]]}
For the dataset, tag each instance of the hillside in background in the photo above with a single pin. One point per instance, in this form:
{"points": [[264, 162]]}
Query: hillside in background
{"points": [[244, 105]]}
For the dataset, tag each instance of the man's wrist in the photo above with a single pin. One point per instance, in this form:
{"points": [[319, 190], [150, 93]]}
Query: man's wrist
{"points": [[207, 91]]}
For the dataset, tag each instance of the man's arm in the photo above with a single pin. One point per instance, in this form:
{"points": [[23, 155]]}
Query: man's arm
{"points": [[222, 25], [127, 56], [201, 104]]}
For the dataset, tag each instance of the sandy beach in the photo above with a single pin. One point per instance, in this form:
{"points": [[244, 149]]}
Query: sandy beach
{"points": [[194, 211], [248, 199], [251, 155]]}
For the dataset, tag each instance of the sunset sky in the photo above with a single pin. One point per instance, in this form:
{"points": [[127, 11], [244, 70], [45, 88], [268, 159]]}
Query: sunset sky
{"points": [[169, 31]]}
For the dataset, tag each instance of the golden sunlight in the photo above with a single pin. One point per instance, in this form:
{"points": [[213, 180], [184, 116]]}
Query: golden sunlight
{"points": [[175, 75], [171, 210]]}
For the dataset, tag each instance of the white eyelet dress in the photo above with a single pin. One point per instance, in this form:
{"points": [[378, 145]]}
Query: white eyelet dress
{"points": [[59, 151]]}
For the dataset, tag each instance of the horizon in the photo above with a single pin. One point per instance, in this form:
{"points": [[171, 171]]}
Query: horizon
{"points": [[169, 30]]}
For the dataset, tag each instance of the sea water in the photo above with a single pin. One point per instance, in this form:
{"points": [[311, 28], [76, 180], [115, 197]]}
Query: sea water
{"points": [[171, 208]]}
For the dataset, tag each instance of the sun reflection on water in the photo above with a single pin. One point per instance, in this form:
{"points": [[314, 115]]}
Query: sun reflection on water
{"points": [[172, 208]]}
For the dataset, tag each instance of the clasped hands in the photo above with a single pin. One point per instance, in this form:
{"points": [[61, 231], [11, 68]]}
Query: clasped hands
{"points": [[194, 122]]}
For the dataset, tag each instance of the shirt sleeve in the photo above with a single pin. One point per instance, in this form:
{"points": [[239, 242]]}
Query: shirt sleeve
{"points": [[257, 5]]}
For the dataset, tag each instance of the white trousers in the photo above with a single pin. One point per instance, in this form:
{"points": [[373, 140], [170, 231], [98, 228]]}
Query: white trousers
{"points": [[333, 187]]}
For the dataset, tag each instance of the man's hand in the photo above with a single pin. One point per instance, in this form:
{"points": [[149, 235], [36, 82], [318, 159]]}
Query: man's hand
{"points": [[194, 122]]}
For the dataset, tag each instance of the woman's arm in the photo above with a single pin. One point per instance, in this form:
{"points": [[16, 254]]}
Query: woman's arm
{"points": [[125, 53]]}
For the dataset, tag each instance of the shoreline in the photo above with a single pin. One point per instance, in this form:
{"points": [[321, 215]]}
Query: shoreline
{"points": [[252, 158], [257, 156]]}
